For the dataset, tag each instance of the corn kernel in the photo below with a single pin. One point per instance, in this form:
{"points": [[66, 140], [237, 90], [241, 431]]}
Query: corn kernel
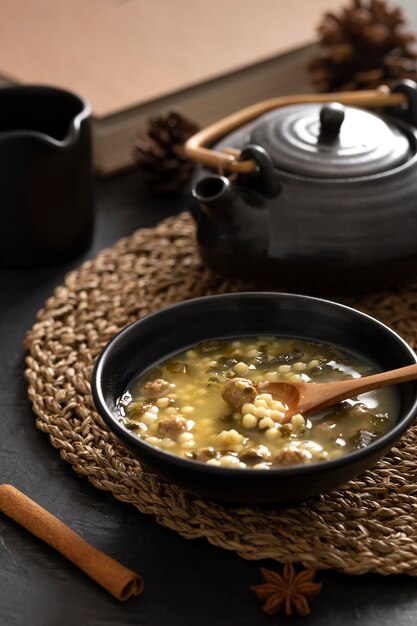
{"points": [[188, 445], [249, 421], [272, 433], [154, 441], [167, 444], [241, 368], [248, 408], [185, 437], [259, 411], [276, 415], [271, 376], [299, 366], [298, 422], [266, 397], [162, 403], [266, 422], [278, 406], [186, 409], [148, 418], [229, 460]]}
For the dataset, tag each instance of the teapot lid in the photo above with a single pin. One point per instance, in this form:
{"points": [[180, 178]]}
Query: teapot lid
{"points": [[331, 141]]}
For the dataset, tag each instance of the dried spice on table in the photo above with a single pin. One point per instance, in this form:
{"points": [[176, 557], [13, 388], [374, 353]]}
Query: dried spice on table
{"points": [[287, 592]]}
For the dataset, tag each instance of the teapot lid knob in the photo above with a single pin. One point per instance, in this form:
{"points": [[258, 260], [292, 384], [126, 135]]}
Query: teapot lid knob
{"points": [[331, 120]]}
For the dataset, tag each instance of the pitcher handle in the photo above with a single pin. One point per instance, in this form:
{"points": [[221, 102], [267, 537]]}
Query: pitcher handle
{"points": [[196, 150]]}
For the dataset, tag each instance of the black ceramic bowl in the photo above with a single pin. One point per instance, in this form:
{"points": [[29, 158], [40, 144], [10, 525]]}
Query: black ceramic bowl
{"points": [[177, 327]]}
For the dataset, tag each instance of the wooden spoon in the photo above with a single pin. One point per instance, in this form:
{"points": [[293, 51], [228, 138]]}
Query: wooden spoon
{"points": [[308, 397]]}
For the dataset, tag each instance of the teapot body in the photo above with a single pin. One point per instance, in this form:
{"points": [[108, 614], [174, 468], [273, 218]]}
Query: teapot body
{"points": [[330, 236], [316, 234]]}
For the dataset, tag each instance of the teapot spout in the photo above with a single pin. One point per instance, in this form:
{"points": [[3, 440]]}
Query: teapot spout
{"points": [[214, 196]]}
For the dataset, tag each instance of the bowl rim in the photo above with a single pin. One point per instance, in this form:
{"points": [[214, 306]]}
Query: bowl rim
{"points": [[198, 467]]}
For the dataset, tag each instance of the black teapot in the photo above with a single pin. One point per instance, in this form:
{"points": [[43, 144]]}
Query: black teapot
{"points": [[318, 194]]}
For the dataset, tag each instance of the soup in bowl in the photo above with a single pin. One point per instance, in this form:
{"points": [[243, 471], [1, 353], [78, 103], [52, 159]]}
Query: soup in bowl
{"points": [[203, 404], [180, 388]]}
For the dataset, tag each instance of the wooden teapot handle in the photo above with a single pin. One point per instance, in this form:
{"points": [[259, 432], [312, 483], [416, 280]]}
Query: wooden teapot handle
{"points": [[230, 159]]}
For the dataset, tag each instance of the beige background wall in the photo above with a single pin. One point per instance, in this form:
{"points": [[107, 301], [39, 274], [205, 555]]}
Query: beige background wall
{"points": [[119, 52]]}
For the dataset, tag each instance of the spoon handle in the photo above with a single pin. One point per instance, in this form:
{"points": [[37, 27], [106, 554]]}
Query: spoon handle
{"points": [[400, 375], [330, 393]]}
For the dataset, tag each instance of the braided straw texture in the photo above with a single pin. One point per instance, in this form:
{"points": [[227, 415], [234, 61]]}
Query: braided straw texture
{"points": [[369, 525]]}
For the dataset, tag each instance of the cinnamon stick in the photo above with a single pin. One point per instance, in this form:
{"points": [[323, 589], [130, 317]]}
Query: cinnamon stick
{"points": [[120, 581]]}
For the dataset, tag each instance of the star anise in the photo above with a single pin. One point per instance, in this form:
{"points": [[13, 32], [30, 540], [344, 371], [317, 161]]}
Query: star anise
{"points": [[287, 592]]}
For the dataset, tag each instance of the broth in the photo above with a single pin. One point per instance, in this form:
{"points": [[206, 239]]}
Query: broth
{"points": [[202, 404]]}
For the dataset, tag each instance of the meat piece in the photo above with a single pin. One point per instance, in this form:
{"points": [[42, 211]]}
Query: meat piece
{"points": [[156, 389], [291, 456], [255, 454], [205, 454], [237, 392], [172, 425]]}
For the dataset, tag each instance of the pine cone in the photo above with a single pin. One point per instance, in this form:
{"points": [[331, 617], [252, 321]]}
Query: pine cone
{"points": [[366, 46], [159, 153]]}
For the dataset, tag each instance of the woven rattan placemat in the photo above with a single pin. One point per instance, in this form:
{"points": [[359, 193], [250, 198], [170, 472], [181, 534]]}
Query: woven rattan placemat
{"points": [[370, 525]]}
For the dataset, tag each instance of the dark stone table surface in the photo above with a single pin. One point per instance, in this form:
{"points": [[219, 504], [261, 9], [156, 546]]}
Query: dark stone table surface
{"points": [[187, 583]]}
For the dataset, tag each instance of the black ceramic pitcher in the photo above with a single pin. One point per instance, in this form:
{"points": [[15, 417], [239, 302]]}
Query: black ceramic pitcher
{"points": [[46, 185]]}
